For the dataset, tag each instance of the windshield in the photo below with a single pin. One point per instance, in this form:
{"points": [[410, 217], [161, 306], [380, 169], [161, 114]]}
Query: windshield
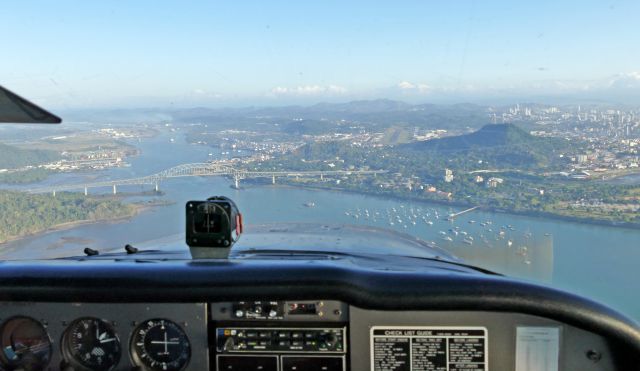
{"points": [[504, 135]]}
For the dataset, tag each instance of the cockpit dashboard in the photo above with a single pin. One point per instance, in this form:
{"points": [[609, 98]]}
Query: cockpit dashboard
{"points": [[301, 314]]}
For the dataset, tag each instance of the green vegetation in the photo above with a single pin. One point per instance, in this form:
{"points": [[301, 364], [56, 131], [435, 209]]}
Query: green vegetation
{"points": [[23, 177], [330, 118], [501, 146], [22, 214], [13, 157], [520, 160]]}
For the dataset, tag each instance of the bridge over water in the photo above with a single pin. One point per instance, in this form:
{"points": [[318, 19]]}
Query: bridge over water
{"points": [[198, 169]]}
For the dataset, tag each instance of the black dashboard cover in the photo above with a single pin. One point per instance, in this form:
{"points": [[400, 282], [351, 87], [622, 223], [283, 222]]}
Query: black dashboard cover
{"points": [[146, 280]]}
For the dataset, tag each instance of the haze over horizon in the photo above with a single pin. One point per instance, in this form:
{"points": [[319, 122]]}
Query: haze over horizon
{"points": [[78, 55]]}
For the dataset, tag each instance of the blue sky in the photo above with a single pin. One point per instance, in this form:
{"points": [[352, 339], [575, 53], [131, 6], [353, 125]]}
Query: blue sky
{"points": [[75, 54]]}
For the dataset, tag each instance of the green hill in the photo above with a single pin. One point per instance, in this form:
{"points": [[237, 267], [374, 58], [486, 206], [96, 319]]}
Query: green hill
{"points": [[499, 145], [13, 157]]}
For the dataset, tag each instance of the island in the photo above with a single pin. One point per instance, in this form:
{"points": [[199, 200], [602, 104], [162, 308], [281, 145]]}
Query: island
{"points": [[23, 214]]}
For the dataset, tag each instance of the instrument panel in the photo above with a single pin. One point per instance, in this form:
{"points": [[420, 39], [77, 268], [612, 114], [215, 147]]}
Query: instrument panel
{"points": [[323, 335], [103, 337]]}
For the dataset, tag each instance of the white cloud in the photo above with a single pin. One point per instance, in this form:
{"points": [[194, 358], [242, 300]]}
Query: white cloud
{"points": [[406, 85], [414, 87], [309, 90], [336, 89], [629, 80], [205, 93]]}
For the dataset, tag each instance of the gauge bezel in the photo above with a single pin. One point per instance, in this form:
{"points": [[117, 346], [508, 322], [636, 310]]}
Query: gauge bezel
{"points": [[4, 362], [68, 354], [133, 351]]}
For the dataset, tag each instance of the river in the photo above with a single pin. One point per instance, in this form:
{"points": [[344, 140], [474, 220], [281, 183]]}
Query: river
{"points": [[599, 262]]}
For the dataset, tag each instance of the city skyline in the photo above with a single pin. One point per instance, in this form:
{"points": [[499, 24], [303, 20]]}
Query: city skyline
{"points": [[72, 54]]}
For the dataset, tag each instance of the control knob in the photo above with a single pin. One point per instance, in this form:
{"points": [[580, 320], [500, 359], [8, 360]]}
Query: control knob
{"points": [[329, 340]]}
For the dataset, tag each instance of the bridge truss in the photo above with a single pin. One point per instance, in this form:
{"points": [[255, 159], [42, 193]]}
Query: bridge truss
{"points": [[198, 169]]}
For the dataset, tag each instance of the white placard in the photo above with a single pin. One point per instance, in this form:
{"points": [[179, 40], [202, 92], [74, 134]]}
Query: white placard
{"points": [[537, 348]]}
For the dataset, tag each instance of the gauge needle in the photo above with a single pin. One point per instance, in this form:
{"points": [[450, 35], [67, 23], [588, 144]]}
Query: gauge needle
{"points": [[166, 343], [33, 348], [107, 340]]}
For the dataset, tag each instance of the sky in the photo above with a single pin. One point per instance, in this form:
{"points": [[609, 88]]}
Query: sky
{"points": [[143, 53]]}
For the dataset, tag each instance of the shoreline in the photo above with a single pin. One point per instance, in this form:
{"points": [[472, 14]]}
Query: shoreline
{"points": [[137, 209], [531, 213]]}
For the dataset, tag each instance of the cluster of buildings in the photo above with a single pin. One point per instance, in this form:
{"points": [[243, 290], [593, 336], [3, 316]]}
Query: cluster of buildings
{"points": [[70, 165], [252, 146], [428, 134], [117, 134], [90, 160], [612, 134]]}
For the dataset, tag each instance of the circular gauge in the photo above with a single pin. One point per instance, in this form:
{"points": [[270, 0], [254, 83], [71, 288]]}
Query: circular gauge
{"points": [[159, 344], [91, 344], [25, 345]]}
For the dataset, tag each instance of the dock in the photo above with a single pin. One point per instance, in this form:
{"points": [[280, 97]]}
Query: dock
{"points": [[453, 216]]}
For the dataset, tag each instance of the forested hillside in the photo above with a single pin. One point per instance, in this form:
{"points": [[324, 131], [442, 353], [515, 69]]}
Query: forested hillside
{"points": [[12, 157], [22, 213]]}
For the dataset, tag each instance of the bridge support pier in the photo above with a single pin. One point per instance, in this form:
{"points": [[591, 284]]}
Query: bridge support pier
{"points": [[321, 177], [236, 181], [157, 187], [86, 191], [115, 189], [54, 193], [273, 179]]}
